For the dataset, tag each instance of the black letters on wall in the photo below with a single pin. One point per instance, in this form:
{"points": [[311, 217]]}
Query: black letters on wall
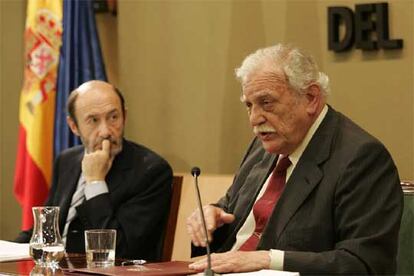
{"points": [[368, 22]]}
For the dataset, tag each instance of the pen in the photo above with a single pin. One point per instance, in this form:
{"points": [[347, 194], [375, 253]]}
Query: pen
{"points": [[133, 262]]}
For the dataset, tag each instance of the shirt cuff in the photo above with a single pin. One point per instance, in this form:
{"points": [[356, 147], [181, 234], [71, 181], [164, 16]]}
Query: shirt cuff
{"points": [[276, 259], [95, 188]]}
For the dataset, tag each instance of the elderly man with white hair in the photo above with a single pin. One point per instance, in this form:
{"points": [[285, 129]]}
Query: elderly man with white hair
{"points": [[315, 193]]}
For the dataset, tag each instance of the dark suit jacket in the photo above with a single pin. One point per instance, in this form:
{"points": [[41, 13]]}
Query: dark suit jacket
{"points": [[341, 208], [137, 204]]}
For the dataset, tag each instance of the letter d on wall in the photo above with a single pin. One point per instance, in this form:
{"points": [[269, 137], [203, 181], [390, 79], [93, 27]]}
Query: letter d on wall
{"points": [[336, 15]]}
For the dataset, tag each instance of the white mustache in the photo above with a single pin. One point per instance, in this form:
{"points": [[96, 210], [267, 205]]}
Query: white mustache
{"points": [[263, 128]]}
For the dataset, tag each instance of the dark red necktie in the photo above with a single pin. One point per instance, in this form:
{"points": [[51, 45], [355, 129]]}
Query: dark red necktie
{"points": [[263, 207]]}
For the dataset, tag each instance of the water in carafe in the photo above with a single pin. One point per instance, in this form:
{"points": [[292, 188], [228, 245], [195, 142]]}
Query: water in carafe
{"points": [[46, 246]]}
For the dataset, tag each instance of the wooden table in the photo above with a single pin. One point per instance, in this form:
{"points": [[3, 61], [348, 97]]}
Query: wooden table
{"points": [[72, 264], [24, 267]]}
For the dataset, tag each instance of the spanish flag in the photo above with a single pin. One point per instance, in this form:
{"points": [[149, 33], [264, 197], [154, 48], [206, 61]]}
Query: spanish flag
{"points": [[56, 63], [37, 105]]}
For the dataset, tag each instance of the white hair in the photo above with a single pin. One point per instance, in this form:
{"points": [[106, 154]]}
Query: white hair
{"points": [[299, 68]]}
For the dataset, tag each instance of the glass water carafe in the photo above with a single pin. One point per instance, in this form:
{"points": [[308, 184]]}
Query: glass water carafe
{"points": [[46, 247]]}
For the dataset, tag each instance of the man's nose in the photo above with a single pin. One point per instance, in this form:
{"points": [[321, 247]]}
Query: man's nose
{"points": [[256, 116], [104, 130]]}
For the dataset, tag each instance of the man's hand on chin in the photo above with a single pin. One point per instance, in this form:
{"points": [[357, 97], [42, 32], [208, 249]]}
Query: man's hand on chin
{"points": [[95, 165], [235, 261]]}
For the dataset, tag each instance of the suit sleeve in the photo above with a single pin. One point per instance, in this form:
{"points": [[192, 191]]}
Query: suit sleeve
{"points": [[222, 235], [50, 198], [140, 218], [224, 201], [368, 208]]}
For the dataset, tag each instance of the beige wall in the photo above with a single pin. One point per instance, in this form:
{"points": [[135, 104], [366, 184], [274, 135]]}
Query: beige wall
{"points": [[175, 60], [11, 76], [176, 64]]}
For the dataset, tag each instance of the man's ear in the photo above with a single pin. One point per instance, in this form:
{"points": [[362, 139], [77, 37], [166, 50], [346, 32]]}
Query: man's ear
{"points": [[125, 115], [72, 125], [313, 98]]}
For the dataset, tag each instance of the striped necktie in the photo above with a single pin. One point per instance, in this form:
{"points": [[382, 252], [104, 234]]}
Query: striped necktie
{"points": [[77, 198]]}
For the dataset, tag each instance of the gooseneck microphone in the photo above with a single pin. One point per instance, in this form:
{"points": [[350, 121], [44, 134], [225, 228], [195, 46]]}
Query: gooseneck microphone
{"points": [[195, 172]]}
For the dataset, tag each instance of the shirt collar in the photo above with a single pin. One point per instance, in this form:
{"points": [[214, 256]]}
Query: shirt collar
{"points": [[297, 153]]}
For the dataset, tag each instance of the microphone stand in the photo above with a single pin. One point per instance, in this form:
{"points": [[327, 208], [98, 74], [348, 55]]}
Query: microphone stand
{"points": [[208, 271]]}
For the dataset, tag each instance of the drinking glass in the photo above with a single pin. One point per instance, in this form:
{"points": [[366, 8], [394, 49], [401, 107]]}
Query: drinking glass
{"points": [[100, 247]]}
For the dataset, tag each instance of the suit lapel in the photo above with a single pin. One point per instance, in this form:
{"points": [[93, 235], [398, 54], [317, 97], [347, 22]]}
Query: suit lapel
{"points": [[303, 180], [122, 163], [298, 188]]}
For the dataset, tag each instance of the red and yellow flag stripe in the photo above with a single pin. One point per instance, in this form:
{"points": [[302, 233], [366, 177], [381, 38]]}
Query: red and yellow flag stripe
{"points": [[37, 105]]}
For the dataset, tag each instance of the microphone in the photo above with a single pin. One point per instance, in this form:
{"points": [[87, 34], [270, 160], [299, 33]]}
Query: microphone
{"points": [[195, 172]]}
